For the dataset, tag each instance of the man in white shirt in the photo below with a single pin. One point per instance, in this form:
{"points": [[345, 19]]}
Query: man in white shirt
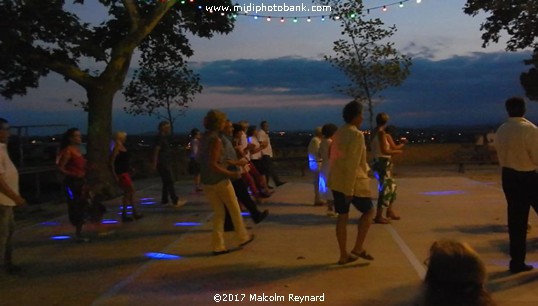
{"points": [[9, 198], [349, 182], [517, 149], [267, 154]]}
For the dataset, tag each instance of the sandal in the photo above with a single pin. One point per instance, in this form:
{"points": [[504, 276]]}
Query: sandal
{"points": [[349, 259], [363, 254], [248, 241], [217, 253], [381, 220], [393, 216]]}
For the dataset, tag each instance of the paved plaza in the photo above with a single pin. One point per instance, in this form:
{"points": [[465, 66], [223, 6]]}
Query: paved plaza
{"points": [[165, 258]]}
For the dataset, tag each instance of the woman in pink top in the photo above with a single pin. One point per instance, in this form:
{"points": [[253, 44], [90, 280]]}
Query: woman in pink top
{"points": [[72, 164]]}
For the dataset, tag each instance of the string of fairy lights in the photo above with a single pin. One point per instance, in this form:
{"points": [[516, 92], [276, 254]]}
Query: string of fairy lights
{"points": [[246, 11]]}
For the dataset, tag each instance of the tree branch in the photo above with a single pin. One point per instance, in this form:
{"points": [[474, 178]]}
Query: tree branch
{"points": [[121, 54], [69, 71], [149, 23], [132, 10]]}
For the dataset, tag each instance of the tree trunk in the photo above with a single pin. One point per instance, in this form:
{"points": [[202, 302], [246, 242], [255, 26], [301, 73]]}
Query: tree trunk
{"points": [[99, 133], [371, 113]]}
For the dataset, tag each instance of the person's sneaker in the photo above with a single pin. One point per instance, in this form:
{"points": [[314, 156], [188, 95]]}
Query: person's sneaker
{"points": [[180, 203], [13, 269], [262, 216], [264, 195], [520, 268]]}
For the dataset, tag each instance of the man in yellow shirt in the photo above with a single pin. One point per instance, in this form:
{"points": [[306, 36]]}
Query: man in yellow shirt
{"points": [[517, 148], [349, 182]]}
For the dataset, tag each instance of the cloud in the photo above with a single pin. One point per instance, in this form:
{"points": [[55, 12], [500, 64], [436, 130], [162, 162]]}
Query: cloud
{"points": [[297, 93]]}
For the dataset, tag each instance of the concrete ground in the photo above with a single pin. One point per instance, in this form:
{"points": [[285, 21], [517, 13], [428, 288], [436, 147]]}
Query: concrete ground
{"points": [[294, 252]]}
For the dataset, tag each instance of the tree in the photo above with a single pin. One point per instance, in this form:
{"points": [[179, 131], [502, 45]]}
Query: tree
{"points": [[370, 62], [161, 89], [519, 18], [38, 37]]}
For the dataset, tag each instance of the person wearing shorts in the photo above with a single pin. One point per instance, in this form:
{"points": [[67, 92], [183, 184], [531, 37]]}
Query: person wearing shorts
{"points": [[121, 167], [349, 182]]}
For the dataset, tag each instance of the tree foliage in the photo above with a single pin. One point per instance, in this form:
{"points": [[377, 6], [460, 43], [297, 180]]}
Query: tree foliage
{"points": [[365, 55], [162, 90], [518, 19], [38, 37]]}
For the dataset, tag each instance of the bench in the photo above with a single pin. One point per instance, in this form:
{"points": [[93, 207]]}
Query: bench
{"points": [[468, 154]]}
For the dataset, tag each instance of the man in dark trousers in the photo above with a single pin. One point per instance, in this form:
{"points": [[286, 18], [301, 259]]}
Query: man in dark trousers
{"points": [[267, 154], [162, 157], [517, 148]]}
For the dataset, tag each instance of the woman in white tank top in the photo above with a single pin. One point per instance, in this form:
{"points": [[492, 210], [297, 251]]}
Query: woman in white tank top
{"points": [[383, 148]]}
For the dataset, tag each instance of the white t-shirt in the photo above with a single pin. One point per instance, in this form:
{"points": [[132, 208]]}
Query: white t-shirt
{"points": [[243, 143], [517, 144], [10, 175], [253, 140], [264, 137]]}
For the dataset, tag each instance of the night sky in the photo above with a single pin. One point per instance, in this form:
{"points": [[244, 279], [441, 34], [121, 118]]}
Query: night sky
{"points": [[275, 71]]}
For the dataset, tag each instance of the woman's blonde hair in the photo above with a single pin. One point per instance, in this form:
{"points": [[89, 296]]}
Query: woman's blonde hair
{"points": [[214, 119], [119, 135]]}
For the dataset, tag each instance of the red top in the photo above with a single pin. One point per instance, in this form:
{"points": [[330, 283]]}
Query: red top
{"points": [[76, 163]]}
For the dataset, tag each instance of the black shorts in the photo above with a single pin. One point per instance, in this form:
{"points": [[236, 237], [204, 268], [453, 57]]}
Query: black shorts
{"points": [[194, 167], [341, 206]]}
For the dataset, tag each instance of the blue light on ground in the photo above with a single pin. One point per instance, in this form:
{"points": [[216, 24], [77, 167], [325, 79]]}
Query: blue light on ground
{"points": [[129, 213], [128, 207], [444, 192], [164, 256], [60, 237], [145, 199], [108, 221], [148, 203], [50, 223], [188, 224], [245, 213]]}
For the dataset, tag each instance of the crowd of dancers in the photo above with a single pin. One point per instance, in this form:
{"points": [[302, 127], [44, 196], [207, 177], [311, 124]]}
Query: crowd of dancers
{"points": [[232, 164]]}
